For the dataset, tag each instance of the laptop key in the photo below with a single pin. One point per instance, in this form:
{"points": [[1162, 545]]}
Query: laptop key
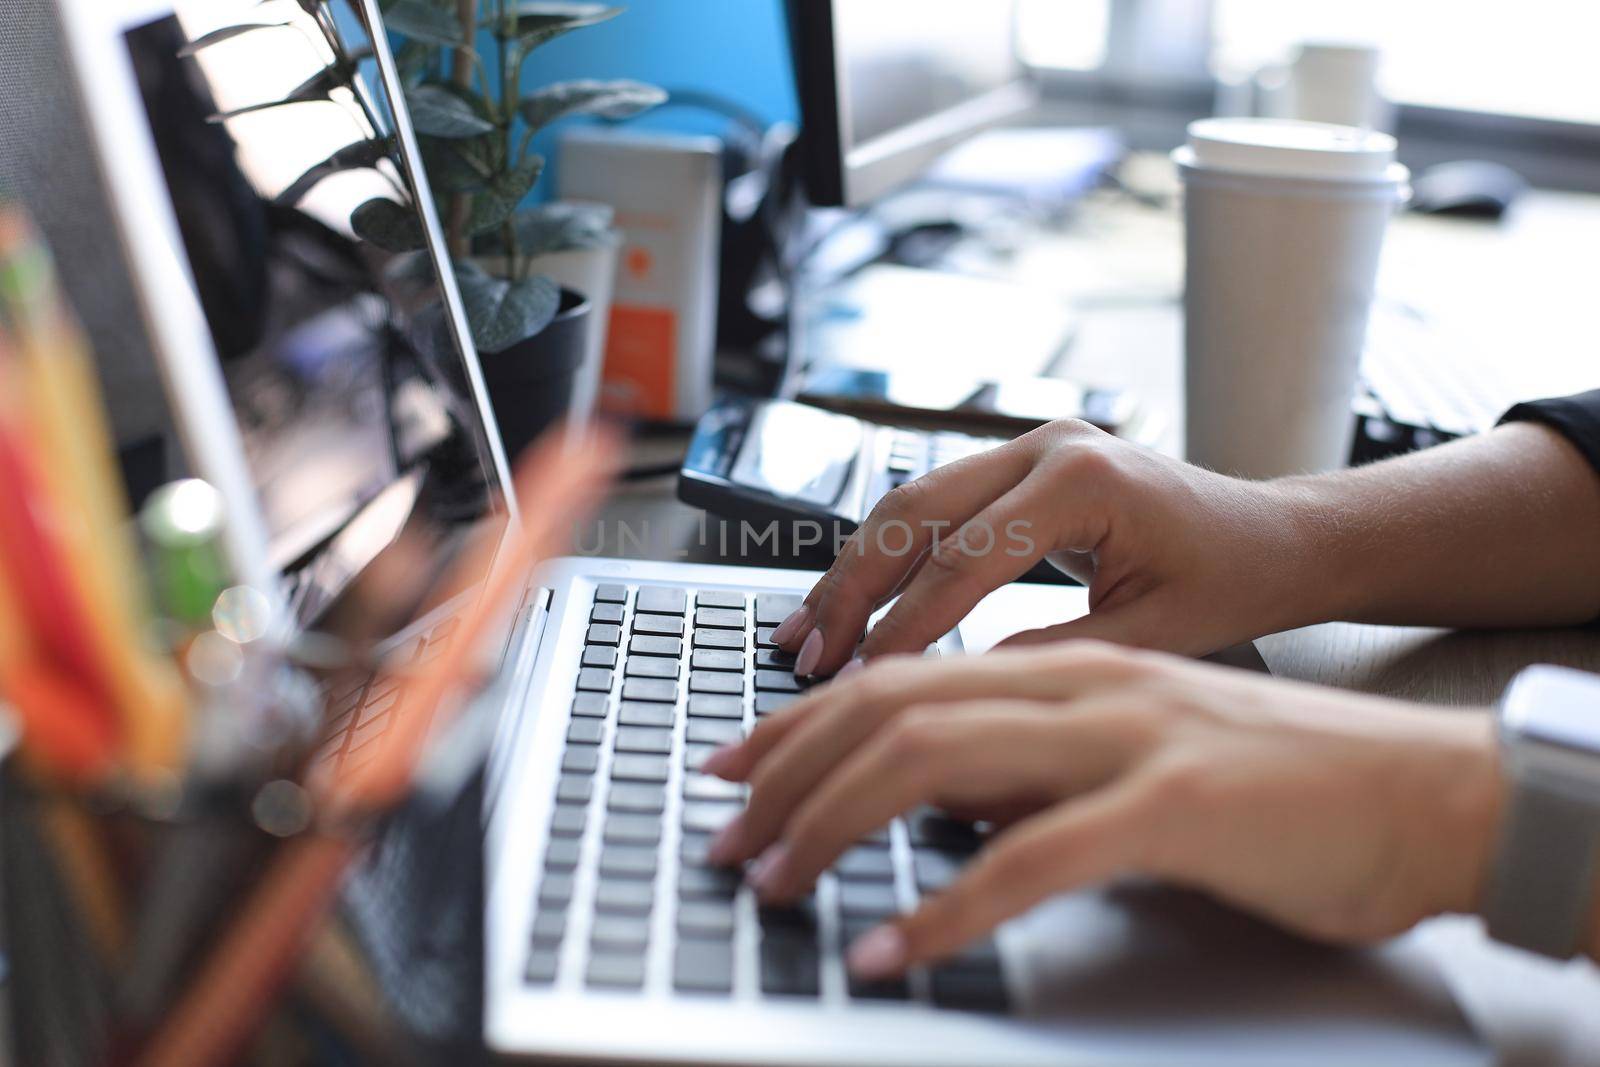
{"points": [[719, 618], [717, 598], [650, 740], [611, 613], [717, 659], [693, 850], [580, 759], [661, 690], [624, 897], [774, 659], [773, 608], [714, 731], [611, 594], [549, 928], [562, 854], [655, 645], [636, 714], [934, 869], [600, 656], [624, 861], [708, 883], [790, 965], [585, 731], [703, 967], [695, 755], [705, 787], [664, 601], [771, 703], [635, 767], [637, 797], [660, 625], [555, 890], [716, 682], [590, 705], [705, 918], [935, 829], [594, 680], [872, 900], [651, 667], [542, 966], [601, 633], [568, 820], [797, 919], [777, 682], [715, 706], [616, 971], [574, 790], [708, 817], [632, 830], [885, 989], [865, 864], [764, 637], [725, 639], [622, 932]]}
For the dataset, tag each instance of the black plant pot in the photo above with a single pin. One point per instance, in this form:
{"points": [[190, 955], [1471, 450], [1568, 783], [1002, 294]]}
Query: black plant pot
{"points": [[531, 383]]}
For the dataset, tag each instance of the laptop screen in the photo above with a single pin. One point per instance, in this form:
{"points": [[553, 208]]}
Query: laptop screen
{"points": [[341, 361]]}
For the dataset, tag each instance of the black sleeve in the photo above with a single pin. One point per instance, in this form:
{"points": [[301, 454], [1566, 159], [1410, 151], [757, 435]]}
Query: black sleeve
{"points": [[1577, 418]]}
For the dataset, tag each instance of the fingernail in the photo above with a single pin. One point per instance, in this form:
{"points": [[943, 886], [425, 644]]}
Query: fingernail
{"points": [[724, 846], [719, 762], [789, 628], [878, 953], [810, 652], [851, 667], [767, 873]]}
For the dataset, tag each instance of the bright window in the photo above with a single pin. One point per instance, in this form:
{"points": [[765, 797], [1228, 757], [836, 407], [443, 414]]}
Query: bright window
{"points": [[1063, 34], [1536, 58]]}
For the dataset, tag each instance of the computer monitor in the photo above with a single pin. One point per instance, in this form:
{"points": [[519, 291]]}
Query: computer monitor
{"points": [[888, 86]]}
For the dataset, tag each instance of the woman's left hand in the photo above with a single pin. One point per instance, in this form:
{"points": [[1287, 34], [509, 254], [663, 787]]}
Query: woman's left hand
{"points": [[1340, 816]]}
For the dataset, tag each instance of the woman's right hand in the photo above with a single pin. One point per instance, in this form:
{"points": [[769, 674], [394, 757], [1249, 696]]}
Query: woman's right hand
{"points": [[1175, 557]]}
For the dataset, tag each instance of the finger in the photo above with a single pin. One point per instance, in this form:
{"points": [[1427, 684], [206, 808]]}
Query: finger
{"points": [[1071, 669], [993, 548], [889, 544], [980, 752], [783, 765], [1083, 843]]}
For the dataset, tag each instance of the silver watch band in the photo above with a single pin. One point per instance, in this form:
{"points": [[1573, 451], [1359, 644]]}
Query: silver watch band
{"points": [[1543, 880]]}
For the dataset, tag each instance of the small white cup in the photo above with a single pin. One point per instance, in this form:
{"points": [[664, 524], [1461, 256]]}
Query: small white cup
{"points": [[1284, 224]]}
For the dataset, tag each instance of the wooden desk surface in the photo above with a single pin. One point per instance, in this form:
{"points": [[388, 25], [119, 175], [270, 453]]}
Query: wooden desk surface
{"points": [[1516, 288]]}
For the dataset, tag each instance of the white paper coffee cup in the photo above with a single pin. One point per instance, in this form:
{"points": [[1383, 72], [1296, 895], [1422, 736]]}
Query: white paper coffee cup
{"points": [[1284, 225]]}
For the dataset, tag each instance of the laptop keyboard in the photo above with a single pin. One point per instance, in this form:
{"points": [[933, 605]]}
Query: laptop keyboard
{"points": [[360, 712], [626, 901]]}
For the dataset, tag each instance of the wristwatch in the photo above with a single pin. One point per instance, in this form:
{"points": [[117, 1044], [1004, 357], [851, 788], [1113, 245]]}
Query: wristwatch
{"points": [[1542, 885]]}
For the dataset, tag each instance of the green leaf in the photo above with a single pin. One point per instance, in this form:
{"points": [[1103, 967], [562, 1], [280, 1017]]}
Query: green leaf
{"points": [[536, 22], [493, 206], [227, 33], [501, 312], [351, 157], [423, 22], [560, 227], [456, 166], [388, 225], [438, 112], [608, 99]]}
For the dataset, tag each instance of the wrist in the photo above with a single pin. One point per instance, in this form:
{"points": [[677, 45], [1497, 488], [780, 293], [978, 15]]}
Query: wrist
{"points": [[1456, 796], [1328, 578]]}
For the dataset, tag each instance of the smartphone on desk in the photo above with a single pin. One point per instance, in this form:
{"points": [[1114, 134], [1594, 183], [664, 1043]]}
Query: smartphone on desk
{"points": [[1005, 407]]}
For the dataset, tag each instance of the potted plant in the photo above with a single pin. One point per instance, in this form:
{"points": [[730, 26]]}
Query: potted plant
{"points": [[463, 62]]}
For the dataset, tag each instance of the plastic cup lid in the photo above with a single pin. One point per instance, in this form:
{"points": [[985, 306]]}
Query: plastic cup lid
{"points": [[1286, 148]]}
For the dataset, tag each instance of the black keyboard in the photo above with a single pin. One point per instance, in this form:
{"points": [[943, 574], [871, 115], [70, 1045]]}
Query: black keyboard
{"points": [[626, 901]]}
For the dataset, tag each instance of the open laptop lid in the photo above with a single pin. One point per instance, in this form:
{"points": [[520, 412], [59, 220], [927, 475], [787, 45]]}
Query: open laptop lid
{"points": [[327, 387]]}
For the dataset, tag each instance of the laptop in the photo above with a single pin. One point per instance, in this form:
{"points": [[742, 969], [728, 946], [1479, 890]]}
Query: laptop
{"points": [[329, 390]]}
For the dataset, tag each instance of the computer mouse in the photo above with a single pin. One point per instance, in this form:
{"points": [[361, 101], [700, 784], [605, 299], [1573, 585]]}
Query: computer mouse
{"points": [[1469, 188]]}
